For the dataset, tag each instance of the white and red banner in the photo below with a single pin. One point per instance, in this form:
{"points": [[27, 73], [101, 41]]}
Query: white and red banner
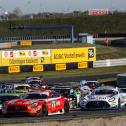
{"points": [[97, 12]]}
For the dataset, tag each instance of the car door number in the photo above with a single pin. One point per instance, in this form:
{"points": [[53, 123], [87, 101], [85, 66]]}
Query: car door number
{"points": [[55, 103]]}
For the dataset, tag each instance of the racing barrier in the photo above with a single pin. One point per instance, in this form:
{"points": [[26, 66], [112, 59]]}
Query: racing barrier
{"points": [[14, 61], [46, 67], [109, 62]]}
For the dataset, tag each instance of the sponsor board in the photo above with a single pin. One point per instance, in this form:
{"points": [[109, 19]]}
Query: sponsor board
{"points": [[69, 55], [82, 65], [25, 57], [97, 12], [60, 66], [26, 43], [13, 69], [47, 56], [26, 53], [37, 68]]}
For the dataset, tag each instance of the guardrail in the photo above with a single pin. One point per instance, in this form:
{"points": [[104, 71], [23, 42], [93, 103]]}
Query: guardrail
{"points": [[52, 37], [109, 62]]}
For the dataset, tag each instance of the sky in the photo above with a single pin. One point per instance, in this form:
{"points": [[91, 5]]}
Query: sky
{"points": [[35, 6]]}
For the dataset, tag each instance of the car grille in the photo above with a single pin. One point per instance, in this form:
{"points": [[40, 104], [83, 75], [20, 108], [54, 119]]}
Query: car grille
{"points": [[17, 108], [97, 105]]}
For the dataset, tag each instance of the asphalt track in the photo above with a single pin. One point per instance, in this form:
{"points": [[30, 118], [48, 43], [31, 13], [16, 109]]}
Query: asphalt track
{"points": [[76, 114], [72, 79]]}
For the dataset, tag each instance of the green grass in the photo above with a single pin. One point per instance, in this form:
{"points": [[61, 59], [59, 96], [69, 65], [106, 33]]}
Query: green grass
{"points": [[67, 73]]}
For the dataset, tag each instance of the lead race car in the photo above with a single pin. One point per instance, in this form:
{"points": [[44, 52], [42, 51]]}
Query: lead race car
{"points": [[42, 102], [105, 97]]}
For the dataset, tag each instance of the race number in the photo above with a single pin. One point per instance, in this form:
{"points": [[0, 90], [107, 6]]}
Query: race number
{"points": [[53, 104]]}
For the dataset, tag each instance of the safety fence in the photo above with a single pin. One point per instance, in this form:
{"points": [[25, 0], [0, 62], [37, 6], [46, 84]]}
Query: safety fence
{"points": [[109, 62], [59, 37], [52, 37]]}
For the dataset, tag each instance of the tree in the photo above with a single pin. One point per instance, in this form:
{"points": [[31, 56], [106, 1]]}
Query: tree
{"points": [[17, 12]]}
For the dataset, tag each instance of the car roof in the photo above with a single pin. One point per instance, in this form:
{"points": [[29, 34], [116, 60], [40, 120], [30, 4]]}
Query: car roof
{"points": [[33, 78]]}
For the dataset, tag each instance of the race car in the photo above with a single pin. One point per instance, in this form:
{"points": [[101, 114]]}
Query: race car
{"points": [[22, 88], [29, 79], [8, 96], [42, 102], [105, 97]]}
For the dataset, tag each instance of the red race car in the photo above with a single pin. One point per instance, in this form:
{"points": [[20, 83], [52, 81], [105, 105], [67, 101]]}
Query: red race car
{"points": [[42, 102]]}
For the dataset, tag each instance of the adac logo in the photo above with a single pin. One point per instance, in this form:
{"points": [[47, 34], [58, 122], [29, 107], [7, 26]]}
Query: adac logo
{"points": [[5, 54], [22, 53], [90, 53], [45, 52]]}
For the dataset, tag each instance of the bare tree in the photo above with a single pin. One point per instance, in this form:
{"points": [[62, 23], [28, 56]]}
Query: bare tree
{"points": [[17, 11]]}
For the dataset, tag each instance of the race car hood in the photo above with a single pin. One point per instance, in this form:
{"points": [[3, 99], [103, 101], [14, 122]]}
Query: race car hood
{"points": [[99, 97], [23, 101]]}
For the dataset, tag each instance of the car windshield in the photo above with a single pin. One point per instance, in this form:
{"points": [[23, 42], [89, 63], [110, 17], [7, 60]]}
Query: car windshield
{"points": [[92, 84], [35, 96], [105, 92], [22, 87], [34, 82], [7, 97]]}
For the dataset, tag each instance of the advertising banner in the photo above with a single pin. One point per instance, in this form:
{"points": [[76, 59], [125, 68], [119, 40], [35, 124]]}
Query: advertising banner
{"points": [[37, 68], [69, 55], [82, 65], [60, 66], [97, 12], [26, 43], [25, 57], [13, 69]]}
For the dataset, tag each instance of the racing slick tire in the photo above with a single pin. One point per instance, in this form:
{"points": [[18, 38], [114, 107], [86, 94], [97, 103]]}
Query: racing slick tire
{"points": [[6, 115], [82, 109], [44, 110], [66, 107], [119, 103]]}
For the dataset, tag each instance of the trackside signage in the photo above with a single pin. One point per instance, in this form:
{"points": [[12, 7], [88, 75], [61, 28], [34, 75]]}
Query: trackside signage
{"points": [[47, 56], [25, 57], [37, 68], [61, 66], [14, 69], [82, 65], [26, 43], [69, 55]]}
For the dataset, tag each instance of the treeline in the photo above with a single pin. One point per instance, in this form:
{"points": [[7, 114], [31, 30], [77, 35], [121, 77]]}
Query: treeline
{"points": [[115, 23]]}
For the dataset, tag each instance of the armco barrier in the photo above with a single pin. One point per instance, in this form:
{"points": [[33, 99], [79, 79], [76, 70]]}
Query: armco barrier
{"points": [[46, 67], [109, 62]]}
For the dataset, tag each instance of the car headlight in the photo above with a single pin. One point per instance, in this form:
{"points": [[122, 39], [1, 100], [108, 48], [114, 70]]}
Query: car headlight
{"points": [[83, 99], [111, 99], [4, 106], [34, 105]]}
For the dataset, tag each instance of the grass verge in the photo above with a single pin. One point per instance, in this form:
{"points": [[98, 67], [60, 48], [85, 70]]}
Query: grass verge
{"points": [[67, 73]]}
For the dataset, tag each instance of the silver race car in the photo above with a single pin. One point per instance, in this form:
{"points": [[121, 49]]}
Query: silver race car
{"points": [[105, 97]]}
